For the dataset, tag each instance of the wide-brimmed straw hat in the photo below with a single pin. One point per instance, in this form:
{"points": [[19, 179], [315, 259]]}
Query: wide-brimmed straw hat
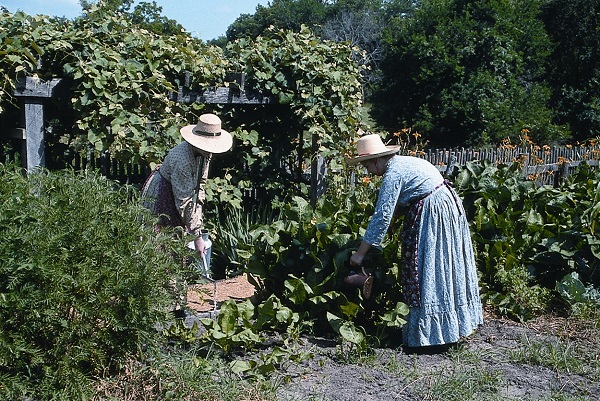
{"points": [[208, 135], [370, 147]]}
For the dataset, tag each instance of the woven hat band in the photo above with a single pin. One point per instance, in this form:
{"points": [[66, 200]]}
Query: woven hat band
{"points": [[203, 128]]}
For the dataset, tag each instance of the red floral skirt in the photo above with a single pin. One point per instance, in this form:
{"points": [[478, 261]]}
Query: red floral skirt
{"points": [[158, 197]]}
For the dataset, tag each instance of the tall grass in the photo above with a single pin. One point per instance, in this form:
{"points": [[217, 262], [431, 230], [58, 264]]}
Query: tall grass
{"points": [[231, 230]]}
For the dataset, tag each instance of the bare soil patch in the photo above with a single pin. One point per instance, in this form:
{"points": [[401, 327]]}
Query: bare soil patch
{"points": [[204, 297], [486, 366], [551, 358]]}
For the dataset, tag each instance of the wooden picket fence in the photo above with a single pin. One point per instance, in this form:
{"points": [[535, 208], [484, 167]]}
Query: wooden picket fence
{"points": [[537, 155], [546, 165], [123, 172]]}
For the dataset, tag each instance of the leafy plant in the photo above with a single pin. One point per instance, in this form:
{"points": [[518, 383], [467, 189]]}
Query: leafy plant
{"points": [[178, 333], [82, 281], [529, 236], [348, 331], [232, 327], [299, 263], [573, 291], [317, 79]]}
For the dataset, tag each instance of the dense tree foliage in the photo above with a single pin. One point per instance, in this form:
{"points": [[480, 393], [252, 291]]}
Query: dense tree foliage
{"points": [[465, 72], [459, 72], [280, 14], [574, 66], [358, 23]]}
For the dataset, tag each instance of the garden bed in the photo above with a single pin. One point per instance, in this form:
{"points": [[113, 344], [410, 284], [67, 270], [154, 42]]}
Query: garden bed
{"points": [[548, 359], [545, 359]]}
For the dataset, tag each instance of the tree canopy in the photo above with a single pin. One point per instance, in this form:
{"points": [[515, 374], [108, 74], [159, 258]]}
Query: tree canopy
{"points": [[574, 66], [464, 72], [467, 73], [459, 72]]}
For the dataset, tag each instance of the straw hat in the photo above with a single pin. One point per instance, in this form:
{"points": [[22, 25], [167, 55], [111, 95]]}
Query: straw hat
{"points": [[370, 147], [207, 135]]}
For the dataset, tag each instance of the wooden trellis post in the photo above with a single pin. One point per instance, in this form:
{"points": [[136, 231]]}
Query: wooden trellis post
{"points": [[235, 93], [318, 170], [32, 93]]}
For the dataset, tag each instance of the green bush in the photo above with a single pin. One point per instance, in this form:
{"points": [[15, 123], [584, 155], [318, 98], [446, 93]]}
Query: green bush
{"points": [[82, 282], [529, 236]]}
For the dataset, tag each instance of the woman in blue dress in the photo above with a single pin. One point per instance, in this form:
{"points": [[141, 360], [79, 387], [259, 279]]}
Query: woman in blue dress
{"points": [[439, 276]]}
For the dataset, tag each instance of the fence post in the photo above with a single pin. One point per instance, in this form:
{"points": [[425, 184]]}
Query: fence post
{"points": [[451, 162], [317, 173], [33, 91], [525, 158]]}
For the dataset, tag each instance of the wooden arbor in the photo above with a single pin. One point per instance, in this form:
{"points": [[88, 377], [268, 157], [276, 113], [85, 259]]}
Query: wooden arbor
{"points": [[236, 93], [33, 93]]}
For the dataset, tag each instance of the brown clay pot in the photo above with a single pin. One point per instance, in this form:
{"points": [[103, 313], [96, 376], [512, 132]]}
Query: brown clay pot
{"points": [[360, 280]]}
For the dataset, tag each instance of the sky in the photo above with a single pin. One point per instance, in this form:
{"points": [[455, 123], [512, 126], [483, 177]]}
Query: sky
{"points": [[204, 19]]}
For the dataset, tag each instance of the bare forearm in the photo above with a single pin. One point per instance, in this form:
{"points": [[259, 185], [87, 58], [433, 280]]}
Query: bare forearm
{"points": [[357, 258]]}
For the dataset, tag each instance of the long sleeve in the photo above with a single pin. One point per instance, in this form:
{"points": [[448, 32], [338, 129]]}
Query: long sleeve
{"points": [[181, 170], [384, 210], [406, 179]]}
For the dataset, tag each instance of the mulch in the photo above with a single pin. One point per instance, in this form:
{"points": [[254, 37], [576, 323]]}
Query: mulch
{"points": [[208, 296]]}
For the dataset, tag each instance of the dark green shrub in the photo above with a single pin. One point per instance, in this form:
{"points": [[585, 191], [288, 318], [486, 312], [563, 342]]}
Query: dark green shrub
{"points": [[529, 236], [82, 283]]}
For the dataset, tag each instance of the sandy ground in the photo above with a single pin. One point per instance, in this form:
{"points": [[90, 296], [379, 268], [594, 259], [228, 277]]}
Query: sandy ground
{"points": [[202, 297]]}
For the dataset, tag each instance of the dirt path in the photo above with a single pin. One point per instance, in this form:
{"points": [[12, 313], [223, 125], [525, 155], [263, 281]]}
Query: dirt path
{"points": [[498, 362], [551, 358]]}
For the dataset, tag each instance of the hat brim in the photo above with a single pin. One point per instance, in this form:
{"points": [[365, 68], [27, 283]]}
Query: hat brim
{"points": [[212, 144], [355, 160]]}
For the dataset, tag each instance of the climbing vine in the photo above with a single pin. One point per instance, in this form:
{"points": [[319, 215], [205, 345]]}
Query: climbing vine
{"points": [[121, 77]]}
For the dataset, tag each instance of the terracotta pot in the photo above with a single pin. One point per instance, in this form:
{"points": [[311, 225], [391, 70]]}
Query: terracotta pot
{"points": [[360, 280]]}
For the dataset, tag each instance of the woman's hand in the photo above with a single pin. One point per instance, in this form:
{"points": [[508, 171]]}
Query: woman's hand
{"points": [[200, 246], [357, 257]]}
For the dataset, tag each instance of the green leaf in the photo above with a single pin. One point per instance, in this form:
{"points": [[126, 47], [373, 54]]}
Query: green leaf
{"points": [[351, 333], [238, 366], [350, 309], [227, 317], [298, 290], [334, 321]]}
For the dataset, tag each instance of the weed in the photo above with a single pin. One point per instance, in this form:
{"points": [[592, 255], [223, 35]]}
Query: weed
{"points": [[559, 355], [181, 376], [462, 382], [398, 368]]}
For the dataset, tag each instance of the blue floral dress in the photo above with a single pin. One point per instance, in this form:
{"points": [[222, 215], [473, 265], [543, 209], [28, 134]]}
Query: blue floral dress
{"points": [[439, 275]]}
